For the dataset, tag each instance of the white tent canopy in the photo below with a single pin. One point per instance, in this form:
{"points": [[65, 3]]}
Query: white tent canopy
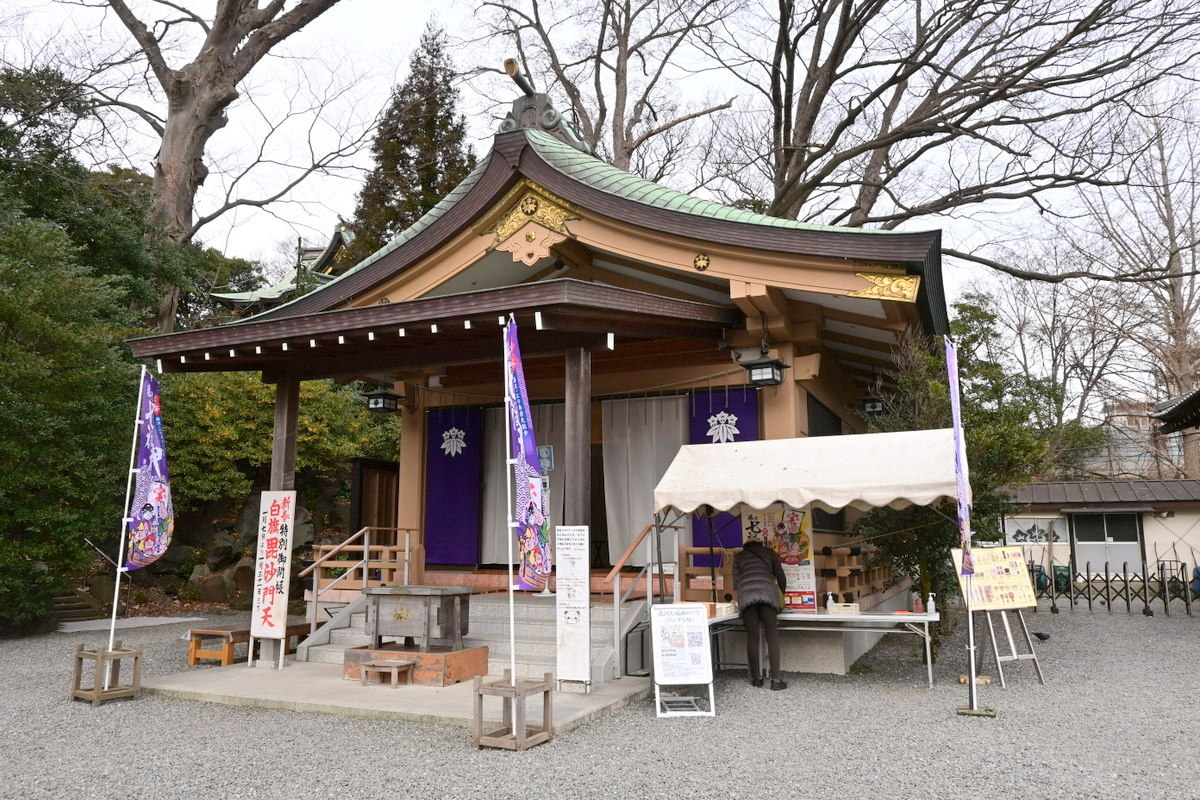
{"points": [[860, 471]]}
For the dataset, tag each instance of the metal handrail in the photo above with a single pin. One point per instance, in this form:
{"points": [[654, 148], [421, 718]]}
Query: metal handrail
{"points": [[619, 597], [629, 550], [363, 563]]}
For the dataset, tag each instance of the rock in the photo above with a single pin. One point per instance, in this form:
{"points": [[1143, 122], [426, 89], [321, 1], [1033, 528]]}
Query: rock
{"points": [[172, 562], [171, 584], [199, 573], [242, 601], [212, 590], [240, 578], [220, 550]]}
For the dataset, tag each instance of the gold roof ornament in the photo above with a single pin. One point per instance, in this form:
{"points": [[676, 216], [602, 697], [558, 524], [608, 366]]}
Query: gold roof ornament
{"points": [[889, 287], [533, 205]]}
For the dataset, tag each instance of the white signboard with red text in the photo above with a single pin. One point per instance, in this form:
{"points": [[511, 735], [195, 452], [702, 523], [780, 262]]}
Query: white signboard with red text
{"points": [[273, 567]]}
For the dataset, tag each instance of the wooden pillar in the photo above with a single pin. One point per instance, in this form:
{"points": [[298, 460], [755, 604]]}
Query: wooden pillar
{"points": [[283, 444], [577, 461], [410, 498], [784, 413]]}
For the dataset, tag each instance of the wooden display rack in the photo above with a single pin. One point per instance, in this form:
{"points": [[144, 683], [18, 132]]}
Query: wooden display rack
{"points": [[845, 571], [102, 657], [689, 592], [514, 733]]}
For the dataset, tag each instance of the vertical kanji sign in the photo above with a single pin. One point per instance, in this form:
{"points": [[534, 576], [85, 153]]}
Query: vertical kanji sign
{"points": [[273, 567]]}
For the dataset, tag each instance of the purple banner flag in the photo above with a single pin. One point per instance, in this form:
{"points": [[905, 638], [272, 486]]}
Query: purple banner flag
{"points": [[529, 512], [960, 461], [151, 515]]}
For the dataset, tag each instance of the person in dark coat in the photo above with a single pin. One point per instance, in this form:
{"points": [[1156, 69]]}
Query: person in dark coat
{"points": [[759, 580]]}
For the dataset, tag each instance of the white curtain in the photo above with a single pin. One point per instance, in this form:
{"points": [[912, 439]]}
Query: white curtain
{"points": [[549, 427], [641, 438]]}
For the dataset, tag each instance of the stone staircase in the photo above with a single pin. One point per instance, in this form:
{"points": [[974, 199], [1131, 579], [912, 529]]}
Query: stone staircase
{"points": [[75, 606], [535, 635]]}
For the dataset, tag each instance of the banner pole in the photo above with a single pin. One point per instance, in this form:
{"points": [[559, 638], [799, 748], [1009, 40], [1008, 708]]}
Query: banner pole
{"points": [[508, 482], [125, 519], [967, 569], [973, 691]]}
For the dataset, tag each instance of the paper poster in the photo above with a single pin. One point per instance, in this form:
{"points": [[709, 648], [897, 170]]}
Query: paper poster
{"points": [[679, 636], [1001, 580], [273, 566], [789, 533], [572, 594]]}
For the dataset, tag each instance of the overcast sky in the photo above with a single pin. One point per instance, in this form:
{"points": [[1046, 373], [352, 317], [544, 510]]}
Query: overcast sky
{"points": [[354, 52]]}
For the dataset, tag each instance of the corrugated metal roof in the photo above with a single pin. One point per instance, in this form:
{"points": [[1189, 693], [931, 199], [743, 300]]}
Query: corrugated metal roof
{"points": [[606, 178], [1106, 493]]}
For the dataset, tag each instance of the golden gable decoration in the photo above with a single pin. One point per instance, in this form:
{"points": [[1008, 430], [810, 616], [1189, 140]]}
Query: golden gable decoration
{"points": [[533, 205], [889, 287]]}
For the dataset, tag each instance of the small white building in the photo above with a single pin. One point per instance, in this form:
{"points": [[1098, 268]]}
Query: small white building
{"points": [[1088, 524]]}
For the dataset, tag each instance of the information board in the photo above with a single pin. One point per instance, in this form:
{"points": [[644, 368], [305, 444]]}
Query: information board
{"points": [[679, 638], [273, 566], [1001, 580], [572, 595]]}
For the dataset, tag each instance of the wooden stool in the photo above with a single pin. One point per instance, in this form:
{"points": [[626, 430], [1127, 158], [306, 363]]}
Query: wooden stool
{"points": [[514, 735], [394, 667], [101, 658]]}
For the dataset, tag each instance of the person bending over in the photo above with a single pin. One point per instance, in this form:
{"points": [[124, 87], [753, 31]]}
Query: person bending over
{"points": [[759, 580]]}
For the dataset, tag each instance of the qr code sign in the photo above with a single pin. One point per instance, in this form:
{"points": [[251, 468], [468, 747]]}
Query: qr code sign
{"points": [[695, 639]]}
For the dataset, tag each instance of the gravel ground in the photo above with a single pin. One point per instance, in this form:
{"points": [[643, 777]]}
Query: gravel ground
{"points": [[1118, 719]]}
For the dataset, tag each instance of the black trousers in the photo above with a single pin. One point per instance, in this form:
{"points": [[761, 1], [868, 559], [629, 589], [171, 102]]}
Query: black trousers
{"points": [[761, 619]]}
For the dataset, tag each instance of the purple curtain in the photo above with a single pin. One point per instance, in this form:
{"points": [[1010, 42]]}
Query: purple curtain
{"points": [[717, 416], [453, 485]]}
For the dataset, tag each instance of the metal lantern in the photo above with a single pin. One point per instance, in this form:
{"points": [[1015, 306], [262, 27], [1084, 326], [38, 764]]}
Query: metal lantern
{"points": [[872, 406], [765, 371], [384, 401]]}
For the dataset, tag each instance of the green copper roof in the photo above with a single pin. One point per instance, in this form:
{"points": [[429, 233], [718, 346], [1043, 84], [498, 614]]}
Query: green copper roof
{"points": [[604, 177], [427, 219]]}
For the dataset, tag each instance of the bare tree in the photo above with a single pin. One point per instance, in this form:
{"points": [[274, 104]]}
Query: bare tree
{"points": [[180, 76], [616, 61], [877, 112], [1152, 224]]}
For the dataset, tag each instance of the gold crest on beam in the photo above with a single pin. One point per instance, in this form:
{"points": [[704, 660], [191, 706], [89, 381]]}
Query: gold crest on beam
{"points": [[532, 204], [889, 287]]}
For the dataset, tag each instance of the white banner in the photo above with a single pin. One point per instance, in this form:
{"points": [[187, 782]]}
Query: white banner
{"points": [[273, 566], [679, 637], [573, 593]]}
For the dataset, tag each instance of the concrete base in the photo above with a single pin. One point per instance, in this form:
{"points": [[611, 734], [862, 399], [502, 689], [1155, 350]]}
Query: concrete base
{"points": [[320, 688], [441, 666]]}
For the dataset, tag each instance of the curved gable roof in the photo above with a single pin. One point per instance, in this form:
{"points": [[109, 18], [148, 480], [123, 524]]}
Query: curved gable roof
{"points": [[591, 183]]}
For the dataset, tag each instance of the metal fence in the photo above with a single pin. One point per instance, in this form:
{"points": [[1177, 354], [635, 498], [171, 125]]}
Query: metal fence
{"points": [[1165, 584]]}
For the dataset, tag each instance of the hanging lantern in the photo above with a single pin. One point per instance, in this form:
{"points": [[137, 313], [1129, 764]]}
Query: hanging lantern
{"points": [[383, 401], [871, 406], [765, 371]]}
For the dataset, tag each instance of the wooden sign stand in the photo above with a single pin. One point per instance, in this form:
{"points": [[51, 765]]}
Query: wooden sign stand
{"points": [[1012, 646]]}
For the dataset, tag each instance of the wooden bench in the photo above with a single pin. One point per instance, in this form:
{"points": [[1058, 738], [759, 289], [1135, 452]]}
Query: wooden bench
{"points": [[394, 667], [230, 635]]}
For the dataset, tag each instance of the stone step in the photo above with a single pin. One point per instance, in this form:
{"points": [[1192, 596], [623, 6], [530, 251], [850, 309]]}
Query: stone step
{"points": [[327, 654], [485, 631]]}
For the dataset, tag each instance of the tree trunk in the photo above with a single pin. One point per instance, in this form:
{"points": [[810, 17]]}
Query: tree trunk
{"points": [[196, 112]]}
